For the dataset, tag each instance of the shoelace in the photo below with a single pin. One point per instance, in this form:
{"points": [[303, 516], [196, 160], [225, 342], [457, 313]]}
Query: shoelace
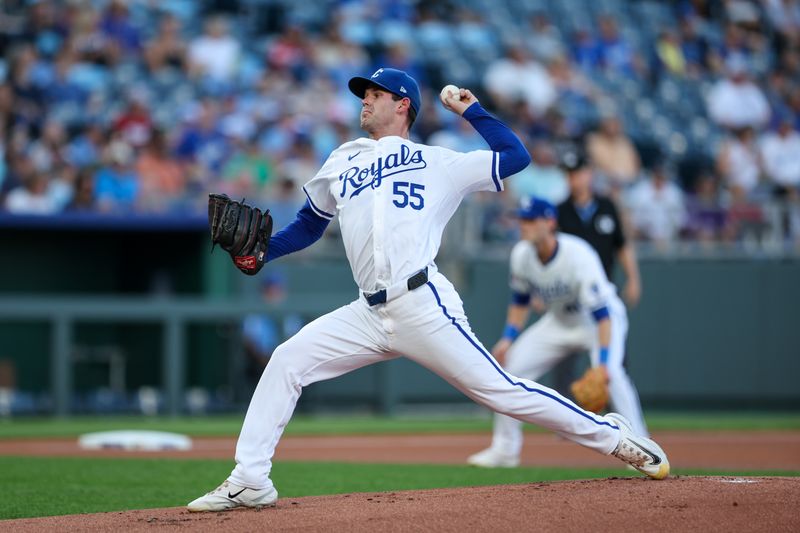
{"points": [[224, 485], [640, 458]]}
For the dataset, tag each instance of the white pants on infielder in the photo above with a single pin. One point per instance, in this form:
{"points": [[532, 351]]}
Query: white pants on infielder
{"points": [[426, 325], [540, 347]]}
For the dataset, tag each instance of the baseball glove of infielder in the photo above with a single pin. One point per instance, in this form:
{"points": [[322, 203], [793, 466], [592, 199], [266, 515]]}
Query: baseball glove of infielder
{"points": [[241, 230], [591, 390]]}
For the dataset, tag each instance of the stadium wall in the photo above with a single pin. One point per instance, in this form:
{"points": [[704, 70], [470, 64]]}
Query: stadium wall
{"points": [[708, 332]]}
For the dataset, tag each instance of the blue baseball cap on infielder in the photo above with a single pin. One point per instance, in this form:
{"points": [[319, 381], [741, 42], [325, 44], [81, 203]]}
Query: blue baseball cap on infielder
{"points": [[533, 208], [393, 80]]}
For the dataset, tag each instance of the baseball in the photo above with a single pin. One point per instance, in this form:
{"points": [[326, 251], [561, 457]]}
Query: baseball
{"points": [[450, 90]]}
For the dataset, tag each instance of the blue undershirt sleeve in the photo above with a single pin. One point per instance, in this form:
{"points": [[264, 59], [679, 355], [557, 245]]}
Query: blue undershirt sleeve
{"points": [[520, 298], [600, 314], [513, 155], [302, 232]]}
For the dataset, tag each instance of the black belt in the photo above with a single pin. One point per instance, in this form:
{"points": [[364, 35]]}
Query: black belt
{"points": [[414, 282]]}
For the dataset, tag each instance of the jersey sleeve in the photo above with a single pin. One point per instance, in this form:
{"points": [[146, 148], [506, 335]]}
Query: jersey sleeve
{"points": [[595, 290], [318, 190], [473, 171], [519, 282]]}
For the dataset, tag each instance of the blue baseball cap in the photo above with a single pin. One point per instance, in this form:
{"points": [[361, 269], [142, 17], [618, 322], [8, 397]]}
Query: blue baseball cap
{"points": [[393, 80], [533, 208]]}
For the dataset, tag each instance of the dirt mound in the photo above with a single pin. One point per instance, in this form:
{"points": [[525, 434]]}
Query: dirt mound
{"points": [[616, 504]]}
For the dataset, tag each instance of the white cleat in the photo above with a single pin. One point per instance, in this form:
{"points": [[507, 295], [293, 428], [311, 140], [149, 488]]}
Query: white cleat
{"points": [[641, 453], [229, 496], [491, 458]]}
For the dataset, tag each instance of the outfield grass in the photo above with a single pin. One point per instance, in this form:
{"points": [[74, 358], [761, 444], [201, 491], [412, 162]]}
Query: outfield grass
{"points": [[55, 486], [340, 425]]}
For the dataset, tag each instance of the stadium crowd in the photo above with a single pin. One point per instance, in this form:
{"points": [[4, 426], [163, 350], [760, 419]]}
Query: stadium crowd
{"points": [[688, 110]]}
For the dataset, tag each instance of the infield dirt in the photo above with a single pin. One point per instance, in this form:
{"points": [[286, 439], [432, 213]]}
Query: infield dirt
{"points": [[681, 503], [705, 504]]}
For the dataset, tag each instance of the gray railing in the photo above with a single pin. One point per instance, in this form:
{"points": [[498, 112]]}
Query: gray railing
{"points": [[64, 312]]}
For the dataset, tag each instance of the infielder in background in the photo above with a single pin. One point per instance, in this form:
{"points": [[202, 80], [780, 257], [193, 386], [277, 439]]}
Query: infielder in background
{"points": [[583, 314], [393, 198]]}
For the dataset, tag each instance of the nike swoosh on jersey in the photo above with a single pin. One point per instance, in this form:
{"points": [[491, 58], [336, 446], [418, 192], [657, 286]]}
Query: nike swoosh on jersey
{"points": [[350, 157]]}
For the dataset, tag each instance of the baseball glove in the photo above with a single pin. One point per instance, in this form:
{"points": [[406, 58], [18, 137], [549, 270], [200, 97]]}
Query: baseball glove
{"points": [[591, 389], [241, 230]]}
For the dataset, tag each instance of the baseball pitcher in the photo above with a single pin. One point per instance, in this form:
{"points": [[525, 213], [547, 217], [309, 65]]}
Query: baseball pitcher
{"points": [[393, 198]]}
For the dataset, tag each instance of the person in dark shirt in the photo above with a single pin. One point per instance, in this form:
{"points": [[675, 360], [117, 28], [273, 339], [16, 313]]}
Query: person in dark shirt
{"points": [[595, 219]]}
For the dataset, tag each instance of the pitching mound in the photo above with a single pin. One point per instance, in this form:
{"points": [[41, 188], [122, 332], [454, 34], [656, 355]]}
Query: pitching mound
{"points": [[615, 504]]}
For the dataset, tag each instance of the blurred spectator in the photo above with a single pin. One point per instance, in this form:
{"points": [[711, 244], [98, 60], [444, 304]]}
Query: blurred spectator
{"points": [[780, 152], [543, 178], [28, 98], [517, 77], [707, 217], [161, 177], [216, 54], [300, 164], [785, 17], [119, 30], [736, 101], [85, 148], [544, 40], [89, 40], [739, 162], [616, 54], [613, 154], [248, 172], [63, 89], [658, 213], [135, 124], [61, 188], [83, 199], [116, 183], [338, 57], [694, 47], [291, 53], [47, 152], [570, 83], [669, 51], [32, 197], [167, 48], [201, 142], [585, 50]]}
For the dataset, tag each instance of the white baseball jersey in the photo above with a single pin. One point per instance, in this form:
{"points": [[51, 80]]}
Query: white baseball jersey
{"points": [[571, 284], [394, 198]]}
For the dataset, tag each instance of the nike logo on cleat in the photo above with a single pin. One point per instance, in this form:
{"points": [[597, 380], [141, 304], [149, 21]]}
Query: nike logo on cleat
{"points": [[655, 458], [232, 496], [350, 157]]}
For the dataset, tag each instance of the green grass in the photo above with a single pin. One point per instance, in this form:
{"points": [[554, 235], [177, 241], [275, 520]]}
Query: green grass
{"points": [[55, 486], [340, 425]]}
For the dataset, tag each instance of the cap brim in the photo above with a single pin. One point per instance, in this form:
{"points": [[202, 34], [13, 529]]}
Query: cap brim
{"points": [[358, 86]]}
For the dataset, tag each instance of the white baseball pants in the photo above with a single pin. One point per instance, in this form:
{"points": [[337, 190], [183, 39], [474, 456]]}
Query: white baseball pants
{"points": [[426, 325], [544, 344]]}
